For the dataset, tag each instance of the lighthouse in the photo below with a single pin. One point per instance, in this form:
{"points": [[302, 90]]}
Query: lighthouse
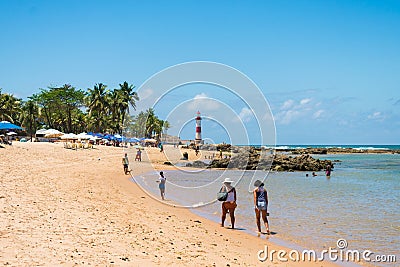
{"points": [[197, 139]]}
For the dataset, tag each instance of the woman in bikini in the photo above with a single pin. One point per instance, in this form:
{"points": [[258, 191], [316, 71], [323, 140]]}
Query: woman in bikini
{"points": [[261, 205]]}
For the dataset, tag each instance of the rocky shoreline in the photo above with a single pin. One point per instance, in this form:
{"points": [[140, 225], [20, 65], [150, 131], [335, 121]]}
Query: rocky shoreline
{"points": [[251, 158], [254, 158]]}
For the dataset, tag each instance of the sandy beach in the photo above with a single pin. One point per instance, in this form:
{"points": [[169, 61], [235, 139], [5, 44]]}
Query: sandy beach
{"points": [[66, 207]]}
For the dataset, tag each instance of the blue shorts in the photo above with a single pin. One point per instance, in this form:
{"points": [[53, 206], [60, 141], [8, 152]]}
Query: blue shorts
{"points": [[261, 205]]}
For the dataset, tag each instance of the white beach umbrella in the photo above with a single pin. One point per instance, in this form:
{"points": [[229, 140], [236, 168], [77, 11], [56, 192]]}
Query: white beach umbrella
{"points": [[11, 133], [84, 136], [69, 136], [41, 131], [50, 133]]}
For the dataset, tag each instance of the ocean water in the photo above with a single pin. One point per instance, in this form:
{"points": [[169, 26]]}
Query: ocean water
{"points": [[359, 147], [359, 203]]}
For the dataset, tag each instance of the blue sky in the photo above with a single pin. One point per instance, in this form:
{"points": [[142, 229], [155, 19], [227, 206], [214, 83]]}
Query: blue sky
{"points": [[329, 69]]}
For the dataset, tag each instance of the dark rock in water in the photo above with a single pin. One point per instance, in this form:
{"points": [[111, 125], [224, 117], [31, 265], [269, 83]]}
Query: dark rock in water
{"points": [[224, 147], [167, 163], [199, 164], [320, 151], [250, 159]]}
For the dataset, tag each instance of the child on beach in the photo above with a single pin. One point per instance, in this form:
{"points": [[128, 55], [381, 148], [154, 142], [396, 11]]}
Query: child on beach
{"points": [[229, 205], [261, 205], [161, 185]]}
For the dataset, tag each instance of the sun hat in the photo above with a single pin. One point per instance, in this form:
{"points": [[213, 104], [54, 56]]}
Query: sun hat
{"points": [[227, 180], [257, 183]]}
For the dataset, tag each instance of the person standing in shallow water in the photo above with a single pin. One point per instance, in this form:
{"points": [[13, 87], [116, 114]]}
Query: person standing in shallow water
{"points": [[261, 205], [328, 171], [229, 205], [161, 185]]}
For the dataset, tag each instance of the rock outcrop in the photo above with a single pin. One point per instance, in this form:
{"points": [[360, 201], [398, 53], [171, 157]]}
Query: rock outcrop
{"points": [[252, 159]]}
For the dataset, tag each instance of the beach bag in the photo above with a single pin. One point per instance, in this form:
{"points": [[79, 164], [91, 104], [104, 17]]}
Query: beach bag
{"points": [[222, 196]]}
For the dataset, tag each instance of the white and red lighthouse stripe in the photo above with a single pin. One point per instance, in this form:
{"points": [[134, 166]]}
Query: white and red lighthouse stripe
{"points": [[198, 129]]}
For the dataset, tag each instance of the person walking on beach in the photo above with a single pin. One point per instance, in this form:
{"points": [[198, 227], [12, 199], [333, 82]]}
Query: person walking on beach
{"points": [[138, 155], [328, 171], [161, 185], [261, 205], [125, 163], [229, 205]]}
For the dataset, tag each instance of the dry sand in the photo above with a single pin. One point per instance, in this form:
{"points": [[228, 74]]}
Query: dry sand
{"points": [[64, 207]]}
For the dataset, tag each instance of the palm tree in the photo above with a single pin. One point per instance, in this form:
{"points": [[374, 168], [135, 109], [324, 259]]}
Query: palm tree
{"points": [[166, 126], [114, 110], [10, 107], [29, 116], [97, 103], [128, 97], [151, 122]]}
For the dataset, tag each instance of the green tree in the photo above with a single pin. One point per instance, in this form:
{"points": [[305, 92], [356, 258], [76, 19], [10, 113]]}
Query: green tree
{"points": [[97, 102], [60, 106], [147, 124], [10, 107], [128, 97], [29, 116]]}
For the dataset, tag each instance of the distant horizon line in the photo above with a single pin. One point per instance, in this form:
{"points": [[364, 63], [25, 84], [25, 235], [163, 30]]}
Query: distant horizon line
{"points": [[320, 145]]}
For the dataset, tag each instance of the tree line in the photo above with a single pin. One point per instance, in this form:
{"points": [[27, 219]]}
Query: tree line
{"points": [[72, 110]]}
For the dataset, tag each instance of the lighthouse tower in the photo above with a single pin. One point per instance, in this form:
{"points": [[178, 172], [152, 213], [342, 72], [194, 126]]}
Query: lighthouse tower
{"points": [[197, 139]]}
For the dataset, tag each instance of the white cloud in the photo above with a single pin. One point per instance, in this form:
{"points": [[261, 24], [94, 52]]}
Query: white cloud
{"points": [[288, 116], [203, 102], [146, 93], [246, 114], [318, 114], [287, 104], [305, 101], [376, 116]]}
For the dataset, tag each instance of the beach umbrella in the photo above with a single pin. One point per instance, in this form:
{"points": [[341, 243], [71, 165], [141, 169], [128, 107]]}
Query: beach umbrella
{"points": [[84, 136], [6, 125], [94, 137], [51, 133], [41, 131], [69, 136], [12, 133]]}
